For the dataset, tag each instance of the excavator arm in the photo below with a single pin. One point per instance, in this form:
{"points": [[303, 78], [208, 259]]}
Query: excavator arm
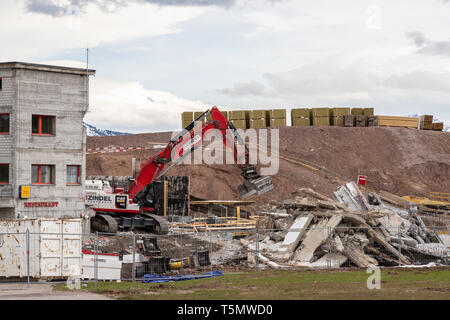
{"points": [[183, 144]]}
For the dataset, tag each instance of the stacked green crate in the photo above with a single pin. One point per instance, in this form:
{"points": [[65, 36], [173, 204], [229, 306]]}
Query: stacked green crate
{"points": [[238, 118], [320, 116], [300, 117], [186, 118], [337, 116], [278, 118], [258, 119]]}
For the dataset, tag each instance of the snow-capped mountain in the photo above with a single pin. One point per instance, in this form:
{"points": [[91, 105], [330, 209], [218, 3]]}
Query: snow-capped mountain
{"points": [[95, 132]]}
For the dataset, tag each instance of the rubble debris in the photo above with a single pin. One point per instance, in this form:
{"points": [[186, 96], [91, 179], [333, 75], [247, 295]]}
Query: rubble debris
{"points": [[349, 231], [295, 233], [395, 200], [356, 255], [351, 195], [374, 199], [313, 231], [315, 237]]}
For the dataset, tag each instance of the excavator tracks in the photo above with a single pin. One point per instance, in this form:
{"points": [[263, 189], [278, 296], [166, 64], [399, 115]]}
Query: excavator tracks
{"points": [[104, 223], [145, 221]]}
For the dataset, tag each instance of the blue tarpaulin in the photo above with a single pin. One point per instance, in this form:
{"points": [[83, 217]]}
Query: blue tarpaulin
{"points": [[151, 278]]}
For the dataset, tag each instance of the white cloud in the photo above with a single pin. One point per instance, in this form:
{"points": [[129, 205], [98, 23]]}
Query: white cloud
{"points": [[397, 83], [129, 107], [32, 34]]}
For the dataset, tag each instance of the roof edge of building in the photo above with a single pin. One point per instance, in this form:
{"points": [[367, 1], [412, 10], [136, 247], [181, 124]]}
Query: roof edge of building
{"points": [[45, 67]]}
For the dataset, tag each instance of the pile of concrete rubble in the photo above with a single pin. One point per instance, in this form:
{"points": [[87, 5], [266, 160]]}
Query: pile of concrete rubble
{"points": [[312, 230]]}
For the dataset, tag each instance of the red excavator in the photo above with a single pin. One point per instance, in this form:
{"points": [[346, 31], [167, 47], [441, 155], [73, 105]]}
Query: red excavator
{"points": [[147, 188]]}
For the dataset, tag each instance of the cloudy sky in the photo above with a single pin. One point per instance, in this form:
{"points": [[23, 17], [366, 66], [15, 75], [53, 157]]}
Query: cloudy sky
{"points": [[157, 58]]}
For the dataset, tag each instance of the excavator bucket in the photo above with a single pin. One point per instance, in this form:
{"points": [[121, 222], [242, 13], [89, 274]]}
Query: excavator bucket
{"points": [[251, 186]]}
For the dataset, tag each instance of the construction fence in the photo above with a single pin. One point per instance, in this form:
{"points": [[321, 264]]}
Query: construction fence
{"points": [[132, 256]]}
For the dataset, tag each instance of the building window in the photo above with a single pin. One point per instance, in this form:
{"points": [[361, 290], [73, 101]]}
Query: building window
{"points": [[4, 173], [4, 123], [1, 84], [43, 125], [42, 174], [73, 174]]}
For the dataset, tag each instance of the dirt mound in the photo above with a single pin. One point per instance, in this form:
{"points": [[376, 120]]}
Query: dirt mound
{"points": [[399, 160]]}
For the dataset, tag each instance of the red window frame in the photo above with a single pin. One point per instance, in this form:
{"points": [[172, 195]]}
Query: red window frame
{"points": [[52, 120], [5, 164], [5, 114], [78, 174], [40, 174]]}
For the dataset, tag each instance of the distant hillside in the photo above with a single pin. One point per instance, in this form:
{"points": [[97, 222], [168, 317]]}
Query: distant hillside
{"points": [[398, 160], [95, 132]]}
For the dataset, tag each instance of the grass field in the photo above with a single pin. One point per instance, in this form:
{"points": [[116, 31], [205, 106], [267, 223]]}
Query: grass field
{"points": [[395, 284]]}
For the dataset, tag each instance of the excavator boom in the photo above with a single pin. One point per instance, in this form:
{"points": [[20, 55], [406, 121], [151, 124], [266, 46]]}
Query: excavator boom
{"points": [[183, 144]]}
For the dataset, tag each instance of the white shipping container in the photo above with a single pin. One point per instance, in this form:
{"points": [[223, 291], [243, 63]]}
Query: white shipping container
{"points": [[54, 248]]}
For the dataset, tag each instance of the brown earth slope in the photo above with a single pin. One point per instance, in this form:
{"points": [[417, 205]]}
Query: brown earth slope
{"points": [[402, 161]]}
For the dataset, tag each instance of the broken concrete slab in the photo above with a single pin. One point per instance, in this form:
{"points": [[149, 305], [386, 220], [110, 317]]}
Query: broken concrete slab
{"points": [[352, 196], [276, 215], [295, 233], [315, 237], [330, 260], [434, 249], [357, 256], [315, 194], [403, 239]]}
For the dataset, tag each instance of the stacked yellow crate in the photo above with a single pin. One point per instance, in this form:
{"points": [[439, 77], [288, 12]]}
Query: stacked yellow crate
{"points": [[278, 118], [320, 116], [258, 119], [238, 118], [300, 117], [186, 118], [337, 116]]}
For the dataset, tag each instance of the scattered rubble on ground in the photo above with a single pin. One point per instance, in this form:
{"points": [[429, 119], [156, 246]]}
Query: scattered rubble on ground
{"points": [[314, 231]]}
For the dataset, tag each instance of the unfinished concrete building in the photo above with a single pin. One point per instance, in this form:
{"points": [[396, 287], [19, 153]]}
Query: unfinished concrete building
{"points": [[42, 140]]}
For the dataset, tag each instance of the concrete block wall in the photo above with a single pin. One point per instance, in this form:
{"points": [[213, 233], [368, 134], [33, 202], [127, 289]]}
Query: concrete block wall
{"points": [[7, 99], [62, 95]]}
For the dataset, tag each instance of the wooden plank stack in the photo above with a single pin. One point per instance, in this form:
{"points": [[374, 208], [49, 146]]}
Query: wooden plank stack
{"points": [[360, 121], [438, 126], [349, 120], [372, 121], [393, 121], [426, 122]]}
